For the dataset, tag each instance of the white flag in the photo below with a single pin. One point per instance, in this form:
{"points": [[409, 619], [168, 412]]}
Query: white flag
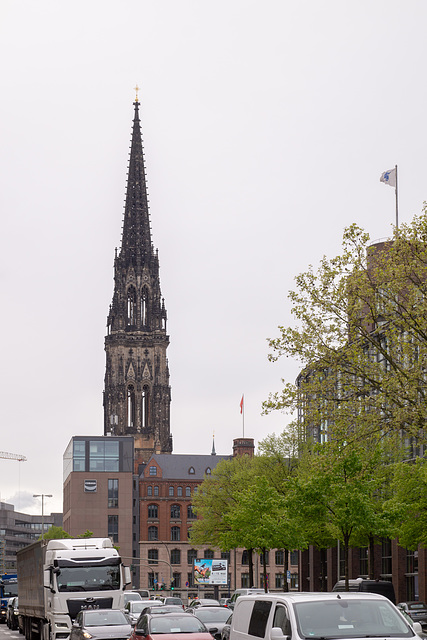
{"points": [[389, 177]]}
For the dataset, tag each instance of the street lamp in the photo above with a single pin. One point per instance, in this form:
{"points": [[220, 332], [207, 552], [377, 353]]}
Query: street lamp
{"points": [[42, 496]]}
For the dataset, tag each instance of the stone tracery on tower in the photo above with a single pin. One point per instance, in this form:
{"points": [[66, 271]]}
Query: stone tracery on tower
{"points": [[136, 390]]}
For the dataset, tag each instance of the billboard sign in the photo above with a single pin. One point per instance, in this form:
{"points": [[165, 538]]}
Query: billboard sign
{"points": [[210, 571]]}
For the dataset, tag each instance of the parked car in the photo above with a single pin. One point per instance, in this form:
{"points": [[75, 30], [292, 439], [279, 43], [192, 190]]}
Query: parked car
{"points": [[99, 624], [12, 613], [300, 616], [144, 593], [134, 608], [163, 608], [174, 600], [213, 617], [225, 633], [169, 626], [224, 601], [203, 602], [416, 610], [128, 596], [383, 587]]}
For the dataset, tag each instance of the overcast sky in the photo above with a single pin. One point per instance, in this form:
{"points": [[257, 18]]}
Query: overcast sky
{"points": [[266, 127]]}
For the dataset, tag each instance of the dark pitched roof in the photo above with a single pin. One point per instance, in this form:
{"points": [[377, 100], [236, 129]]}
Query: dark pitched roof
{"points": [[177, 467]]}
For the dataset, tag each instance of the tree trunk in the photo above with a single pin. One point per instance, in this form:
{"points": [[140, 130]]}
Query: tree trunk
{"points": [[346, 552], [264, 570], [251, 567]]}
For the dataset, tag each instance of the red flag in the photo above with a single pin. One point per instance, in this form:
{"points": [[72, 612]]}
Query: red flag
{"points": [[241, 405]]}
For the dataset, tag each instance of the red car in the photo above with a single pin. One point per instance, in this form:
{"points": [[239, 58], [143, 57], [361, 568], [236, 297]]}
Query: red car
{"points": [[170, 626]]}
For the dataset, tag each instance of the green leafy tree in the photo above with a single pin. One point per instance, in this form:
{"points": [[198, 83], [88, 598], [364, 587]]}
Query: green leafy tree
{"points": [[360, 336], [410, 495], [338, 493], [55, 533]]}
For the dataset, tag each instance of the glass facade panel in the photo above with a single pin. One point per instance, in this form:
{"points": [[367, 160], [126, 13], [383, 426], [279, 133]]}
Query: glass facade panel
{"points": [[79, 455]]}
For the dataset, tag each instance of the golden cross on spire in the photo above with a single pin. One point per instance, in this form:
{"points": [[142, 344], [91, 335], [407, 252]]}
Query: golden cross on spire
{"points": [[136, 97]]}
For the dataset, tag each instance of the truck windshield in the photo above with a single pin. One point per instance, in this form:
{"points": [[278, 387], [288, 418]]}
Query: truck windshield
{"points": [[10, 589], [89, 578]]}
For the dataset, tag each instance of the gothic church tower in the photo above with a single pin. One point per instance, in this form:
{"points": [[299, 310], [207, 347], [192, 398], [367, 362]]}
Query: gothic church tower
{"points": [[137, 393]]}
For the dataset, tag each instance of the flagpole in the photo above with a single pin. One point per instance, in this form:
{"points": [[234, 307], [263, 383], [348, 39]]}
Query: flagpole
{"points": [[397, 207], [243, 414]]}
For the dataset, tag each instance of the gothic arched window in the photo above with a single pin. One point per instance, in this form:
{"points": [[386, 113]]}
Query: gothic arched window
{"points": [[144, 307], [131, 306], [131, 406], [145, 409]]}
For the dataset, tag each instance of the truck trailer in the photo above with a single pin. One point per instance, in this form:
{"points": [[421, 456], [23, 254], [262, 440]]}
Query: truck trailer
{"points": [[58, 578]]}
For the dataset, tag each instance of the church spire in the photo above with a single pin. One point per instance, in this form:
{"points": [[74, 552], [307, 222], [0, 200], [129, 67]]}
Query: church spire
{"points": [[136, 246], [137, 392]]}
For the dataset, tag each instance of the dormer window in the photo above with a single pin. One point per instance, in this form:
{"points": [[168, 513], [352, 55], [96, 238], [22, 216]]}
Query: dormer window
{"points": [[208, 471], [191, 471], [153, 471]]}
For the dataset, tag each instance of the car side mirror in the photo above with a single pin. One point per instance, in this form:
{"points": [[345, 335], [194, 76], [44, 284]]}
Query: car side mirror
{"points": [[417, 628], [276, 633]]}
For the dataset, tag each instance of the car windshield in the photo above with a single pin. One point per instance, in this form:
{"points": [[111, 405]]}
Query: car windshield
{"points": [[137, 607], [345, 618], [176, 624], [207, 615], [104, 618], [416, 605]]}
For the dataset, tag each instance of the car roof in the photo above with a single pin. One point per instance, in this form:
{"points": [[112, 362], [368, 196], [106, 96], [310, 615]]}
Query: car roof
{"points": [[307, 596]]}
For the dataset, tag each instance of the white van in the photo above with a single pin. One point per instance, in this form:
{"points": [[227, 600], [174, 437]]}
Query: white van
{"points": [[326, 616], [243, 592]]}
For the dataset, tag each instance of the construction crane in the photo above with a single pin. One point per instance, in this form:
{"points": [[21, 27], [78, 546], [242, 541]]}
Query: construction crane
{"points": [[13, 456]]}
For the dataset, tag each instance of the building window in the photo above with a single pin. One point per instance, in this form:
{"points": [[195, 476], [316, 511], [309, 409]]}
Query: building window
{"points": [[153, 579], [113, 493], [225, 555], [131, 406], [191, 471], [293, 558], [175, 533], [190, 513], [171, 492], [153, 556], [113, 528], [156, 491], [208, 554], [188, 492], [179, 492], [131, 307], [153, 511], [175, 511], [145, 408], [208, 471], [153, 470], [280, 581], [363, 561], [279, 557], [386, 557], [79, 455], [153, 533], [149, 490], [176, 582], [245, 556], [175, 556], [190, 579], [191, 556], [245, 581], [103, 455]]}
